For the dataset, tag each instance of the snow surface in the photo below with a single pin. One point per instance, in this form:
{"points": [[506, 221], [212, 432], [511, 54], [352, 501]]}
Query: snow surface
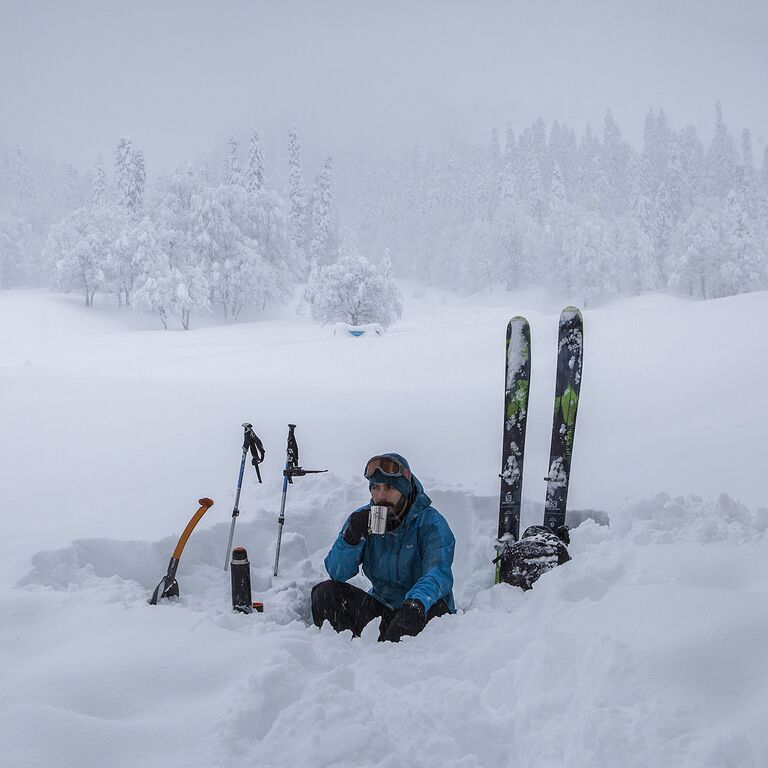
{"points": [[649, 648]]}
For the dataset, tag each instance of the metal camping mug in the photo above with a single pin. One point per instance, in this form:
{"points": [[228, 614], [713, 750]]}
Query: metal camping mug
{"points": [[377, 519]]}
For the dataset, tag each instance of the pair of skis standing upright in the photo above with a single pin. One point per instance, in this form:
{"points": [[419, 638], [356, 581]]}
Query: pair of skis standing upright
{"points": [[517, 563]]}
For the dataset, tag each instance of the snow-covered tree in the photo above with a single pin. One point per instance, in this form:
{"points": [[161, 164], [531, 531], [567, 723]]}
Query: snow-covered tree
{"points": [[516, 234], [691, 157], [352, 290], [656, 145], [639, 186], [25, 186], [557, 196], [124, 169], [116, 232], [537, 198], [615, 157], [14, 238], [557, 223], [695, 269], [73, 248], [667, 209], [746, 182], [635, 258], [139, 179], [99, 185], [254, 174], [721, 158], [590, 266], [744, 266], [157, 281], [296, 192], [390, 294], [764, 170], [321, 212], [234, 170], [585, 173], [130, 175], [240, 277], [179, 238], [763, 207], [72, 190]]}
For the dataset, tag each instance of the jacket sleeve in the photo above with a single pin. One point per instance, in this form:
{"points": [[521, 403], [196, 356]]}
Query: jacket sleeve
{"points": [[437, 543], [343, 561]]}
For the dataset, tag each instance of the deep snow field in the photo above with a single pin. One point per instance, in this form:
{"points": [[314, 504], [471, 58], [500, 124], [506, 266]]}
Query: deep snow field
{"points": [[648, 649]]}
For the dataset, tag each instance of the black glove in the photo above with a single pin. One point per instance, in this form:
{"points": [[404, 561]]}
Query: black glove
{"points": [[563, 535], [357, 527], [409, 620]]}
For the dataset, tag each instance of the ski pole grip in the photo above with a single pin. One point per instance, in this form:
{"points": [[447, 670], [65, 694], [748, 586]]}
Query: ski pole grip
{"points": [[247, 431]]}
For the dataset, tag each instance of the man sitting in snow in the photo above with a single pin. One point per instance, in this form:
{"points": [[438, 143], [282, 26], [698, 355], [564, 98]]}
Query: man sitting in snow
{"points": [[409, 564]]}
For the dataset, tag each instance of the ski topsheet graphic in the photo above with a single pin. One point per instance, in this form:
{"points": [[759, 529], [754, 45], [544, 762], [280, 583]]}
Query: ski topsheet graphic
{"points": [[518, 371], [570, 345]]}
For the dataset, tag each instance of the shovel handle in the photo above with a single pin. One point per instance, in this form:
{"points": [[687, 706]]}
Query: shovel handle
{"points": [[205, 505]]}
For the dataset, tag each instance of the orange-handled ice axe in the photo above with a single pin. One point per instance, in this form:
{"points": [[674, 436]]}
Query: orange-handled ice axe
{"points": [[168, 586]]}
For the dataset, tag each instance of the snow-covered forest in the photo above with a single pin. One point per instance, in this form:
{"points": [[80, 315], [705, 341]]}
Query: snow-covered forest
{"points": [[586, 214]]}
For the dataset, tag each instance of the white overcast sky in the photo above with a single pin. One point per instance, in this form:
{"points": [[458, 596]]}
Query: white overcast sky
{"points": [[180, 77]]}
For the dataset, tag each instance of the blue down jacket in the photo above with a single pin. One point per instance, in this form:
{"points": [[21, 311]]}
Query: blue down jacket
{"points": [[412, 562]]}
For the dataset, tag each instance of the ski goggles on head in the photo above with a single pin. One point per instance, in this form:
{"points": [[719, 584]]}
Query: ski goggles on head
{"points": [[388, 467]]}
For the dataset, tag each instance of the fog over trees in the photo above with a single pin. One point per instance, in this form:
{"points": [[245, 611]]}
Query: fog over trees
{"points": [[584, 214]]}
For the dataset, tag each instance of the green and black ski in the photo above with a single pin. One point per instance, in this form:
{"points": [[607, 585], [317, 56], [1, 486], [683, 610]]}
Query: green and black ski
{"points": [[516, 387], [570, 345]]}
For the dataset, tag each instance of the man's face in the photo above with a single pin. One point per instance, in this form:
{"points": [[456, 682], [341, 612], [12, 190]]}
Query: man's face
{"points": [[384, 495]]}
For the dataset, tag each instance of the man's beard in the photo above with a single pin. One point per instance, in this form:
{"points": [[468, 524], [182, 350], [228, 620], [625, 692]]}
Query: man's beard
{"points": [[395, 511]]}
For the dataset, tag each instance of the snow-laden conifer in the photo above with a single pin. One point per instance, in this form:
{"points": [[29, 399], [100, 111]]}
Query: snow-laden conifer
{"points": [[124, 170], [99, 183], [234, 170], [321, 212], [254, 173], [139, 178], [695, 270], [296, 192], [745, 264], [14, 240], [721, 158], [24, 184]]}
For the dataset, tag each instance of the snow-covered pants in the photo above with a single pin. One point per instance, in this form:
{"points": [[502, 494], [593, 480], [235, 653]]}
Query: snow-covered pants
{"points": [[347, 607]]}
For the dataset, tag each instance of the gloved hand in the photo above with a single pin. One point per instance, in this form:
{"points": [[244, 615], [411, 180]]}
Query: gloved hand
{"points": [[357, 527], [563, 535], [409, 620]]}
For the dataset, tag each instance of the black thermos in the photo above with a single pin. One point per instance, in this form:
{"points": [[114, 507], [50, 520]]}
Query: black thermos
{"points": [[240, 570]]}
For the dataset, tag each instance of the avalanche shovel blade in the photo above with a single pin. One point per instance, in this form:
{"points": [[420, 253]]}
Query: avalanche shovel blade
{"points": [[168, 586]]}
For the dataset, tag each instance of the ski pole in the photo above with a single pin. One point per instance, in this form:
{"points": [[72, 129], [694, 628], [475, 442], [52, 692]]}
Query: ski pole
{"points": [[292, 469], [251, 443]]}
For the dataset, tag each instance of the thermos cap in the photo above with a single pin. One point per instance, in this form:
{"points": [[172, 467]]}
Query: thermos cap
{"points": [[239, 554]]}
